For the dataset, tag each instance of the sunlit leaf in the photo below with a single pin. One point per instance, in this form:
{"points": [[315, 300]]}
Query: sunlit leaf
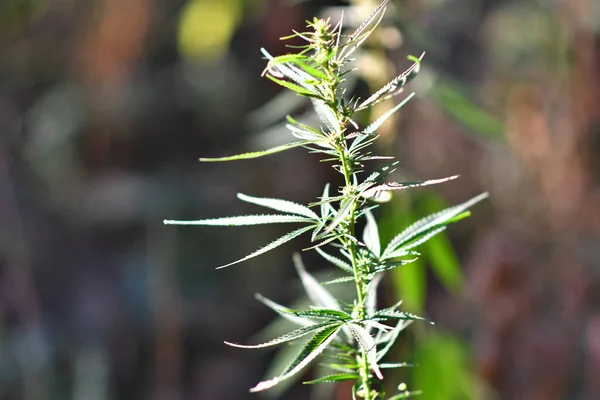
{"points": [[280, 205], [311, 350], [381, 120], [242, 220], [333, 378], [371, 235], [320, 296], [432, 221], [394, 87], [336, 261], [284, 239], [288, 337], [257, 154], [368, 345]]}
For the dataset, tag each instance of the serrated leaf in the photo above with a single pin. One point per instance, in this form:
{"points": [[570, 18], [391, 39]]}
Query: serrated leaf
{"points": [[430, 222], [285, 206], [371, 235], [321, 313], [242, 220], [311, 350], [390, 337], [358, 33], [288, 337], [396, 315], [403, 250], [368, 346], [340, 216], [367, 21], [390, 265], [257, 154], [305, 135], [370, 325], [294, 87], [282, 311], [373, 191], [336, 261], [333, 378], [302, 62], [302, 126], [395, 365], [347, 368], [394, 86], [344, 279], [289, 71], [371, 295], [274, 244], [326, 115], [315, 291], [348, 50], [379, 121]]}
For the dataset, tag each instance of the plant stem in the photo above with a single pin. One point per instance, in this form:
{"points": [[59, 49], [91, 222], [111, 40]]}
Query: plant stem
{"points": [[358, 278]]}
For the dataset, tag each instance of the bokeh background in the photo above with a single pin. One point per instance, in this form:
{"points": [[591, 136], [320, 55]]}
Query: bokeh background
{"points": [[106, 105]]}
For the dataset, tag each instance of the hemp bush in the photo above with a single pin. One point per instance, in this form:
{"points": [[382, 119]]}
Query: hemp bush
{"points": [[356, 337]]}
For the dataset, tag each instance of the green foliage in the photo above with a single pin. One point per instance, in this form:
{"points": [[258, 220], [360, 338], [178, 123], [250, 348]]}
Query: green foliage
{"points": [[445, 371], [359, 335]]}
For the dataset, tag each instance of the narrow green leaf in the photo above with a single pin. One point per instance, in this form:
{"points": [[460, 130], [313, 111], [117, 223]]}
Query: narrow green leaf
{"points": [[390, 265], [257, 154], [344, 279], [293, 87], [395, 315], [444, 263], [326, 115], [302, 126], [321, 313], [406, 395], [303, 62], [394, 86], [348, 50], [315, 291], [422, 238], [371, 295], [443, 217], [333, 378], [284, 239], [242, 220], [379, 121], [389, 338], [357, 34], [371, 235], [280, 205], [410, 282], [288, 337], [395, 365], [283, 311], [373, 191], [439, 251], [368, 345], [336, 261], [340, 216], [311, 350], [289, 71]]}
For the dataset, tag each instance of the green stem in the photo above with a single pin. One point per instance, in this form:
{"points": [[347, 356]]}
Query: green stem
{"points": [[358, 278]]}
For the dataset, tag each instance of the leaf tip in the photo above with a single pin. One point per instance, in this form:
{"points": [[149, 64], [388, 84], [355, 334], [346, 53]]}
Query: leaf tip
{"points": [[264, 385]]}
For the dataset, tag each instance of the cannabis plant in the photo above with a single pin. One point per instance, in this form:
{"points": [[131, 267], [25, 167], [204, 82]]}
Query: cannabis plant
{"points": [[356, 336]]}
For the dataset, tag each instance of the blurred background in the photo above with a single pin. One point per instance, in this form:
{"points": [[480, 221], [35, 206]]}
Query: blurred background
{"points": [[106, 105]]}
